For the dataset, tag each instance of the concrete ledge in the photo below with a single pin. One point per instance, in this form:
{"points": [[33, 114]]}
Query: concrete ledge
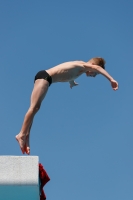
{"points": [[19, 177], [19, 170]]}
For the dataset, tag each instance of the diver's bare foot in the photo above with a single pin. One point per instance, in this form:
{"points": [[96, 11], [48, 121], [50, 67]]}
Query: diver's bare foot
{"points": [[22, 142], [27, 148]]}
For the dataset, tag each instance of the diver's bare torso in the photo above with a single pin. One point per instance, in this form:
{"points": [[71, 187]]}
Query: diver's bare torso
{"points": [[66, 71]]}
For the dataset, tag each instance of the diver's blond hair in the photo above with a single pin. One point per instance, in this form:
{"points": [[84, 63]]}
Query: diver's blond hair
{"points": [[98, 61]]}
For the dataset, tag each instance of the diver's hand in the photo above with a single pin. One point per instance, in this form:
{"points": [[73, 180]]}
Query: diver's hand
{"points": [[114, 84], [72, 83]]}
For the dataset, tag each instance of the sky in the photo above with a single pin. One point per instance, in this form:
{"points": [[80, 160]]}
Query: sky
{"points": [[83, 136]]}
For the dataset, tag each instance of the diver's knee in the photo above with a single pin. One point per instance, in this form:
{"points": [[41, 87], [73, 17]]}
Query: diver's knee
{"points": [[35, 108]]}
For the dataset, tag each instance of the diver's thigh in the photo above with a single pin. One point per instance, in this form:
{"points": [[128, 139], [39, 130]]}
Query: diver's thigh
{"points": [[39, 91]]}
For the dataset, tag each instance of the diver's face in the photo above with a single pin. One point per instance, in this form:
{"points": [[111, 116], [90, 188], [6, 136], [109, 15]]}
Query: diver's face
{"points": [[92, 74]]}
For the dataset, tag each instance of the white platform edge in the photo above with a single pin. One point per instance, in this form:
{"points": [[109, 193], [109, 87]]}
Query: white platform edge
{"points": [[19, 170]]}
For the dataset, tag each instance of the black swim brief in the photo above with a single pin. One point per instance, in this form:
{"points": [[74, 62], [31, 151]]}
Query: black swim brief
{"points": [[43, 75]]}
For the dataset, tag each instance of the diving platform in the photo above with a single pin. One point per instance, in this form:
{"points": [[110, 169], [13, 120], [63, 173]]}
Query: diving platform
{"points": [[19, 178]]}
